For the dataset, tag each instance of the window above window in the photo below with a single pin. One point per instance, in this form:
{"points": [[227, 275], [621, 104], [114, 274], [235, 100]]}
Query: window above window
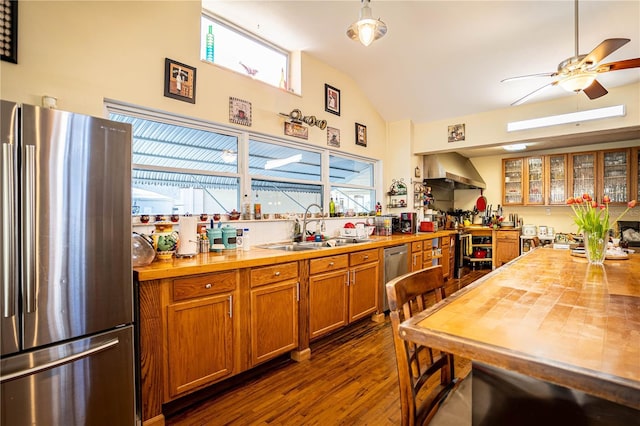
{"points": [[231, 47]]}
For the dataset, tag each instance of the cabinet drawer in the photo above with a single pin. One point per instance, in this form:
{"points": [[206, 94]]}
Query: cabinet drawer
{"points": [[203, 285], [417, 246], [275, 273], [445, 241], [508, 235], [364, 256], [328, 264]]}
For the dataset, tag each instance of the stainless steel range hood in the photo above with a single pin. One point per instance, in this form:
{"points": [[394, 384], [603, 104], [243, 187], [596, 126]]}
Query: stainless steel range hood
{"points": [[451, 170]]}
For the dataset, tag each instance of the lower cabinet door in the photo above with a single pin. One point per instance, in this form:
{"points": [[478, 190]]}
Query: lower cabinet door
{"points": [[199, 342], [327, 302], [363, 291], [274, 320]]}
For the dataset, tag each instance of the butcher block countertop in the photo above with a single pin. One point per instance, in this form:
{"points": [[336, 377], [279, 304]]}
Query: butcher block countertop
{"points": [[233, 259], [551, 316]]}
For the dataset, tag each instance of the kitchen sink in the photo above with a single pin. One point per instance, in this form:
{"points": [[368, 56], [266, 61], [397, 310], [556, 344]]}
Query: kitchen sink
{"points": [[316, 245], [295, 246]]}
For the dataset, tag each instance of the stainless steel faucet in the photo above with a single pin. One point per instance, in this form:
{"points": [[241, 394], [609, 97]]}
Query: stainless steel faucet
{"points": [[307, 221]]}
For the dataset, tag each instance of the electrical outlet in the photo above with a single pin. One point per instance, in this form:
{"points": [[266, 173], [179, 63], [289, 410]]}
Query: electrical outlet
{"points": [[547, 211]]}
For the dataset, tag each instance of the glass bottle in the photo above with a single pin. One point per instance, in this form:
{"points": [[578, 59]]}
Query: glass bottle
{"points": [[257, 209], [210, 44], [246, 208], [332, 208]]}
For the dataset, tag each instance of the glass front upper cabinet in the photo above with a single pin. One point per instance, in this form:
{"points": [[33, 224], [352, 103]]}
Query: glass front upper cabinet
{"points": [[615, 173], [512, 171], [583, 174], [534, 182], [557, 183]]}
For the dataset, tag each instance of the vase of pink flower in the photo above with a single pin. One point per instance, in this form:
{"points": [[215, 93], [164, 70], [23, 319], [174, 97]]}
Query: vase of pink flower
{"points": [[594, 222]]}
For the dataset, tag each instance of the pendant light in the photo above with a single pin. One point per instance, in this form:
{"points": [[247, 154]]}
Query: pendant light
{"points": [[366, 29]]}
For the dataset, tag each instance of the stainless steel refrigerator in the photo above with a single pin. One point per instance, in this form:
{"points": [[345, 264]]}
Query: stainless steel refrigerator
{"points": [[67, 294]]}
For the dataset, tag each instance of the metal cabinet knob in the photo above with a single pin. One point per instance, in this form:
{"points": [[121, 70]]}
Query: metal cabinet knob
{"points": [[207, 286], [277, 273], [331, 263]]}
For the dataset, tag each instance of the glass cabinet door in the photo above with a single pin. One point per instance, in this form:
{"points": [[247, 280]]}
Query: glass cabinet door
{"points": [[512, 174], [583, 174], [557, 183], [615, 173], [534, 182]]}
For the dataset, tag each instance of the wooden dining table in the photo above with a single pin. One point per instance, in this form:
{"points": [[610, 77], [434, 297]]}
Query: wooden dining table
{"points": [[549, 316]]}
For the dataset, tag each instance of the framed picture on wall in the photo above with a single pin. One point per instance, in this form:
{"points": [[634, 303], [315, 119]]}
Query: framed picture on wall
{"points": [[296, 130], [361, 134], [9, 31], [179, 81], [331, 99], [455, 133], [333, 137], [239, 111]]}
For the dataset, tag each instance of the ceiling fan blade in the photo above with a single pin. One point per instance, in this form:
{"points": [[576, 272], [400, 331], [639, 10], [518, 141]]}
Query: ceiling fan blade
{"points": [[595, 90], [534, 93], [604, 49], [522, 77], [620, 65]]}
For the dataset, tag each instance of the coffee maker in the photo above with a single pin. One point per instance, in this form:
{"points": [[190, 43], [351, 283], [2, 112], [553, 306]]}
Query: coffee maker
{"points": [[408, 222]]}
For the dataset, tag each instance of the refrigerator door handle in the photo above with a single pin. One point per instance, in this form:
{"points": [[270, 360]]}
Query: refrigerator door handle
{"points": [[58, 362], [9, 276], [29, 227]]}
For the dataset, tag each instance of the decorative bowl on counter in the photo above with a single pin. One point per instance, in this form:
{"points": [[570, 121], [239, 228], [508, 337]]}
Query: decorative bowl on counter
{"points": [[234, 215]]}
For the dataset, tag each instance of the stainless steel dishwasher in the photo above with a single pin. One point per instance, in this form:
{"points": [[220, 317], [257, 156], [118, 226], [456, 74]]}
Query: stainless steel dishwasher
{"points": [[396, 263]]}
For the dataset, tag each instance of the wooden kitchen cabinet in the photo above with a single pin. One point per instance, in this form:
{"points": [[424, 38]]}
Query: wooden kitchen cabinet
{"points": [[614, 180], [342, 289], [328, 294], [513, 176], [556, 179], [583, 173], [274, 311], [363, 283], [200, 331], [417, 256], [428, 252], [507, 246], [445, 260], [534, 177]]}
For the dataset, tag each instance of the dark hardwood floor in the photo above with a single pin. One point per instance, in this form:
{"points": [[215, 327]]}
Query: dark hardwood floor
{"points": [[350, 379]]}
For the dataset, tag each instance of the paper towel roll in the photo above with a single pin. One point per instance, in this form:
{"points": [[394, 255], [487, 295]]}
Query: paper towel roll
{"points": [[188, 236]]}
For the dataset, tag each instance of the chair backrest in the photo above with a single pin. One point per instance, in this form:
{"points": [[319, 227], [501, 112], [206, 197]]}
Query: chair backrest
{"points": [[409, 294]]}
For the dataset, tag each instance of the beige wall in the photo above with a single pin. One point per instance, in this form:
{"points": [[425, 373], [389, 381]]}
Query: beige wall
{"points": [[490, 128], [83, 52]]}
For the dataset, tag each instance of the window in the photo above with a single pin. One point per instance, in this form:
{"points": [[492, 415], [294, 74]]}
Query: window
{"points": [[284, 177], [183, 165], [181, 168], [352, 184], [226, 45]]}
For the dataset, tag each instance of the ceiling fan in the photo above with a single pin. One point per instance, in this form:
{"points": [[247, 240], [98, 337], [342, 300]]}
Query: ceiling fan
{"points": [[578, 73]]}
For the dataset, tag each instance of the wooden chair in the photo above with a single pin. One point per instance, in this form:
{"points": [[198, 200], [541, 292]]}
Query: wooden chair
{"points": [[408, 295]]}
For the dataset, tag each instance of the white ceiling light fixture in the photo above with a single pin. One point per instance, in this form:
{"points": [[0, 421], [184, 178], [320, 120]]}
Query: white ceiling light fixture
{"points": [[366, 29], [573, 117], [515, 147]]}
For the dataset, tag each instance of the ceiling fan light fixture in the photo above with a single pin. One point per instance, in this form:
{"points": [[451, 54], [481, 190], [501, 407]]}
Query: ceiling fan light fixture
{"points": [[366, 29], [578, 81]]}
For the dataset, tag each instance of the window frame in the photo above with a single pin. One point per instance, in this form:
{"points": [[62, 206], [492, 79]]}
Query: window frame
{"points": [[243, 137], [208, 15]]}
